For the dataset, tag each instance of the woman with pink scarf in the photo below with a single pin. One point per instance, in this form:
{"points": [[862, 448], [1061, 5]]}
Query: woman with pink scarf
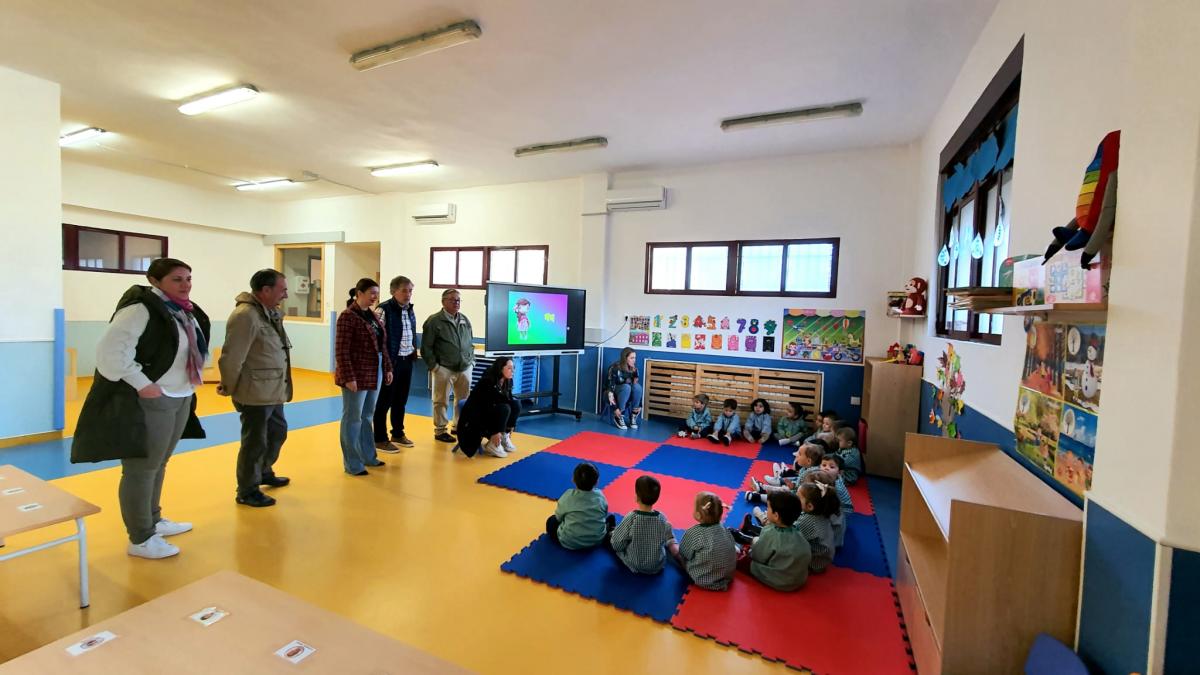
{"points": [[142, 399]]}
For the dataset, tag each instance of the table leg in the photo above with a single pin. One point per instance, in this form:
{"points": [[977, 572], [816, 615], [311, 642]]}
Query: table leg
{"points": [[84, 599]]}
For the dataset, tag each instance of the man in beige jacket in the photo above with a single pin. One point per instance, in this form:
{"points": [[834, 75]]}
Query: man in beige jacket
{"points": [[256, 370]]}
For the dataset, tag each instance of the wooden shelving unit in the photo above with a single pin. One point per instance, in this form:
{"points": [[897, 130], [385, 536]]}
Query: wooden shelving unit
{"points": [[989, 557], [890, 407], [1069, 312]]}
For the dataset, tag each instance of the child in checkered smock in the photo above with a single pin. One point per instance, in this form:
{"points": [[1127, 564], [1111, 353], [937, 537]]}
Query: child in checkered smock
{"points": [[818, 503], [707, 551], [640, 539]]}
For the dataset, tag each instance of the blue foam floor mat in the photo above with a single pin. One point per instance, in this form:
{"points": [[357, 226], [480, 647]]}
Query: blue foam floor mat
{"points": [[862, 549], [597, 574], [698, 465], [546, 474], [777, 453]]}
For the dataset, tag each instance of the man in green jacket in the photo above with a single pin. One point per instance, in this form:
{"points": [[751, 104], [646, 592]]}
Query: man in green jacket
{"points": [[449, 352], [256, 370]]}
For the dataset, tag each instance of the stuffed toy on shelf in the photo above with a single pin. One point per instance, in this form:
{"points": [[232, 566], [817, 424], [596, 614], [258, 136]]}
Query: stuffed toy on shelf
{"points": [[1096, 207]]}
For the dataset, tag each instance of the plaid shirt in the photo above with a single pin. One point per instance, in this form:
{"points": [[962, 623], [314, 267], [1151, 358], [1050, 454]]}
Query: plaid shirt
{"points": [[819, 533], [852, 459], [356, 350], [638, 541], [710, 555]]}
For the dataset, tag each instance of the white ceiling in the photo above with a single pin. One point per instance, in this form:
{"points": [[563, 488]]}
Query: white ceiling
{"points": [[654, 76]]}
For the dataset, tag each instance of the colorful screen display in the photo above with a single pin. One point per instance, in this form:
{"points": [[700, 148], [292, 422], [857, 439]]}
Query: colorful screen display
{"points": [[537, 318]]}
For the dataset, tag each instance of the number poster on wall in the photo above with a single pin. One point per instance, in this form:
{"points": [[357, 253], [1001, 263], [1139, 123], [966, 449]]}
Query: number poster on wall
{"points": [[704, 332]]}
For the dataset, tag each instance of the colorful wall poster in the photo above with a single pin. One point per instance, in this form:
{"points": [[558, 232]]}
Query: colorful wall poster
{"points": [[823, 335], [1076, 449], [1083, 365], [1043, 370], [1036, 427], [537, 318], [639, 330]]}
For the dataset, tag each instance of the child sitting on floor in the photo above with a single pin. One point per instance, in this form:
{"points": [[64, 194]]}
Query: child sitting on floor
{"points": [[779, 555], [834, 481], [639, 540], [847, 442], [707, 551], [808, 458], [757, 428], [699, 422], [791, 427], [728, 424], [581, 519], [818, 504], [829, 423]]}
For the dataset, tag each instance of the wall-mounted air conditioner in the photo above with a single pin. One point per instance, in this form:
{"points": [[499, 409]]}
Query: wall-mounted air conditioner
{"points": [[433, 214], [636, 199]]}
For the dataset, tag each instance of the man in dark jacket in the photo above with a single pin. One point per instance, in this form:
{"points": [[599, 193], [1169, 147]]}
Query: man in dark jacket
{"points": [[400, 322], [449, 351], [256, 370]]}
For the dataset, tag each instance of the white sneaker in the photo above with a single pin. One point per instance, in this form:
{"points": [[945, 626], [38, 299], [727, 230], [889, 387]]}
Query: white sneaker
{"points": [[506, 443], [772, 480], [633, 421], [153, 548], [779, 467], [493, 450], [759, 514], [681, 434], [170, 528]]}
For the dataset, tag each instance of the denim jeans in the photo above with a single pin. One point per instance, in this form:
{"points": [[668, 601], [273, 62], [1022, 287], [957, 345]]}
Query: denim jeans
{"points": [[629, 393], [357, 434]]}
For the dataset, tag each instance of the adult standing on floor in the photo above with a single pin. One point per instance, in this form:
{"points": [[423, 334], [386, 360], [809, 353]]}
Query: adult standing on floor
{"points": [[256, 370], [490, 414], [400, 322], [142, 400], [448, 350], [360, 353]]}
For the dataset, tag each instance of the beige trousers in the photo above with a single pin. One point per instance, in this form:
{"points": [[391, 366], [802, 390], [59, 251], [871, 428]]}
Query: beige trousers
{"points": [[444, 380]]}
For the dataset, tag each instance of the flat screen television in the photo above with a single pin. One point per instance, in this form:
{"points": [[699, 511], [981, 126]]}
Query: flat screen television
{"points": [[527, 319]]}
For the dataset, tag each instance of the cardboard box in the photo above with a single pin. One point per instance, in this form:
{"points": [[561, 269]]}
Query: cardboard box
{"points": [[1028, 281]]}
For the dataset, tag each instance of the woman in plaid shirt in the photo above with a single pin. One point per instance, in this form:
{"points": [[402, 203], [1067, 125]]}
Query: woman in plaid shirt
{"points": [[360, 352]]}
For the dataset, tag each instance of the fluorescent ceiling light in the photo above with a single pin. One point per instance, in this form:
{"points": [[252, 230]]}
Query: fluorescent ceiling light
{"points": [[416, 45], [80, 136], [562, 146], [824, 112], [218, 99], [265, 184], [408, 167]]}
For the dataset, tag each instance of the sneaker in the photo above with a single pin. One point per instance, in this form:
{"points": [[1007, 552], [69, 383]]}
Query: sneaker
{"points": [[759, 514], [170, 528], [153, 548], [740, 537], [387, 447], [633, 421], [779, 467], [493, 450], [751, 496], [506, 443], [445, 438], [681, 434], [773, 481], [725, 440], [256, 499], [275, 481], [696, 435], [619, 419], [757, 486], [713, 438], [403, 441]]}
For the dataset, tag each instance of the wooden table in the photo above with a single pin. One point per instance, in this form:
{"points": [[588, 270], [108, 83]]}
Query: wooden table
{"points": [[160, 637], [30, 503]]}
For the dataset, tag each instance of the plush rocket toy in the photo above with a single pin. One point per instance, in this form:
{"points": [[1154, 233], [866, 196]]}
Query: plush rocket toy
{"points": [[1096, 208]]}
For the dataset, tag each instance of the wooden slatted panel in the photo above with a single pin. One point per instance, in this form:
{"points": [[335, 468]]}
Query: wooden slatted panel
{"points": [[779, 387], [669, 388], [721, 382]]}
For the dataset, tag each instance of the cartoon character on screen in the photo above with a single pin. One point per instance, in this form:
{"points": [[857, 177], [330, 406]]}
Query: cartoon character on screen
{"points": [[521, 309]]}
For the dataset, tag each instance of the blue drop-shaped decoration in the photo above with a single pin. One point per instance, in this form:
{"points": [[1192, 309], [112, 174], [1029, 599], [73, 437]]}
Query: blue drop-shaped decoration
{"points": [[977, 247], [944, 256]]}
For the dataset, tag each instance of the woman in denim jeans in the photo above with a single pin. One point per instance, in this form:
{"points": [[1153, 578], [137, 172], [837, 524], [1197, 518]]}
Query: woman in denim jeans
{"points": [[362, 365], [625, 389]]}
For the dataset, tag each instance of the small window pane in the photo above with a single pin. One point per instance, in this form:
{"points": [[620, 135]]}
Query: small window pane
{"points": [[531, 266], [987, 277], [502, 266], [809, 268], [140, 252], [303, 269], [761, 268], [710, 268], [98, 250], [445, 270], [470, 268], [669, 266]]}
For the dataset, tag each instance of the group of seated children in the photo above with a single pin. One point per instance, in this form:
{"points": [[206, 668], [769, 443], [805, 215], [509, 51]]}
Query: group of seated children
{"points": [[728, 426]]}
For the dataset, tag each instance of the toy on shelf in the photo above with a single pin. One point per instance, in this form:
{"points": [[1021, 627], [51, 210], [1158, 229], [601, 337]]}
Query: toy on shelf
{"points": [[1096, 207], [909, 354], [911, 301]]}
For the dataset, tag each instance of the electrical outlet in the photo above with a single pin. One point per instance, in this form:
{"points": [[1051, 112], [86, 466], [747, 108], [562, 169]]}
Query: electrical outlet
{"points": [[855, 400]]}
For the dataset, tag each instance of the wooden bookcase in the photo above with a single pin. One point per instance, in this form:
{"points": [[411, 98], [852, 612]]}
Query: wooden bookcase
{"points": [[989, 557], [670, 385], [891, 408]]}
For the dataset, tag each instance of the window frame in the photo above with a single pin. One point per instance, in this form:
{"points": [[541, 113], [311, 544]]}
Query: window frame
{"points": [[325, 300], [734, 268], [487, 263], [70, 243]]}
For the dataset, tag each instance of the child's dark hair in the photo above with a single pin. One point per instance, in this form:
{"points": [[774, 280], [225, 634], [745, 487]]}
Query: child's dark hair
{"points": [[846, 434], [820, 443], [813, 452], [730, 404], [826, 478], [710, 508], [836, 459], [702, 399], [766, 406], [586, 476], [362, 286], [786, 505], [823, 498], [797, 407], [647, 489], [832, 414]]}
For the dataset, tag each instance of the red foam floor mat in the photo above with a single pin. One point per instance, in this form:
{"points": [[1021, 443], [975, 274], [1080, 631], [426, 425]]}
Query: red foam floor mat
{"points": [[606, 448], [737, 448], [861, 497], [841, 621], [677, 501], [758, 469]]}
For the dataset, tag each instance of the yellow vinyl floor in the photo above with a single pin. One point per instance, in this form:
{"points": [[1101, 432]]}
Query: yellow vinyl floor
{"points": [[412, 551]]}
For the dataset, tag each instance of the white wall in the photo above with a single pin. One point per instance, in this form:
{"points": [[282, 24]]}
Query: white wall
{"points": [[863, 197], [352, 262]]}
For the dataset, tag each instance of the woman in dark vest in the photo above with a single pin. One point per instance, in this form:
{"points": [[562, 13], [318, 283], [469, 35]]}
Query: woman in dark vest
{"points": [[142, 400], [490, 413], [360, 353]]}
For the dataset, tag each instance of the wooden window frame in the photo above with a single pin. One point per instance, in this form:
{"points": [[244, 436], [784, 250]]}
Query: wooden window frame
{"points": [[325, 299], [733, 269], [487, 259], [70, 241]]}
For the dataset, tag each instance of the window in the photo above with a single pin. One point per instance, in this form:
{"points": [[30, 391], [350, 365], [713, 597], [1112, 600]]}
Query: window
{"points": [[976, 194], [792, 267], [470, 267], [304, 267], [95, 250]]}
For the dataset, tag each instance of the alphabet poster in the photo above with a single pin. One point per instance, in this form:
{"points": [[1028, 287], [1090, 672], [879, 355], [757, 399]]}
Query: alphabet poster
{"points": [[824, 335], [746, 335]]}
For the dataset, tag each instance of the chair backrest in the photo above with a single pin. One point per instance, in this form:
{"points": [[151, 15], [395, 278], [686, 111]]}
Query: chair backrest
{"points": [[1048, 656]]}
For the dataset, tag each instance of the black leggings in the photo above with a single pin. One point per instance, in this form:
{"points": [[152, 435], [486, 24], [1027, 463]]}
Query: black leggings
{"points": [[501, 418]]}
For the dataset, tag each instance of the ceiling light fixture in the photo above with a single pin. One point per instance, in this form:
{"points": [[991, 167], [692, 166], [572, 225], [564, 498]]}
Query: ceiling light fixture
{"points": [[407, 167], [80, 136], [267, 184], [416, 45], [218, 98], [823, 112], [562, 146]]}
